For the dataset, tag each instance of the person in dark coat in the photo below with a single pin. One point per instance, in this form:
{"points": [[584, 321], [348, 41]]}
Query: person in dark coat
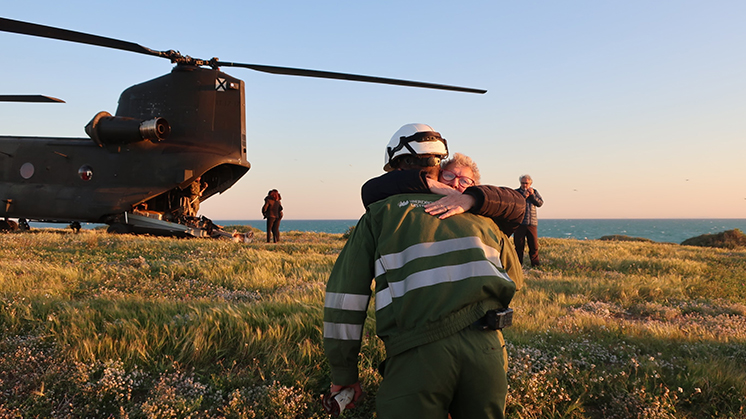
{"points": [[527, 232], [272, 211]]}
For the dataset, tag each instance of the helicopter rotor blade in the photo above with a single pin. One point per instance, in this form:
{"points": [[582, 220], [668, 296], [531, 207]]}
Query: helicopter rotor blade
{"points": [[344, 76], [33, 29], [25, 28], [30, 98]]}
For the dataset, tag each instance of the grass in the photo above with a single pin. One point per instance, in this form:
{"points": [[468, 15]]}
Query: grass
{"points": [[98, 325]]}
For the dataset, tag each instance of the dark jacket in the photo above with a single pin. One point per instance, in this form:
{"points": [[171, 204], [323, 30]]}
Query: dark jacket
{"points": [[504, 205], [532, 202], [271, 208]]}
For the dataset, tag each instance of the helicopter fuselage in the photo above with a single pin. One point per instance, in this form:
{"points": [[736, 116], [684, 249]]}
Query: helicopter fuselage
{"points": [[91, 179]]}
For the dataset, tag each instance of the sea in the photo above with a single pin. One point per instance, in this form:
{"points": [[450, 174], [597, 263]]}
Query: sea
{"points": [[658, 230]]}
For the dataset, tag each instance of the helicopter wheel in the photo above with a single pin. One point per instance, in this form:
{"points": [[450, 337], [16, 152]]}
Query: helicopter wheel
{"points": [[118, 229]]}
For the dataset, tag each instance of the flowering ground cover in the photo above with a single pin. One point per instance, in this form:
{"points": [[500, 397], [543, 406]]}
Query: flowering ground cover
{"points": [[99, 325]]}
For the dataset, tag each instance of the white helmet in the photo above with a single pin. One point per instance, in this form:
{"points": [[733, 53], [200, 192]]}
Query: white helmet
{"points": [[415, 139]]}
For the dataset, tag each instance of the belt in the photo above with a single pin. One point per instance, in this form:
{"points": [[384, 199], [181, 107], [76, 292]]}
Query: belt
{"points": [[494, 320]]}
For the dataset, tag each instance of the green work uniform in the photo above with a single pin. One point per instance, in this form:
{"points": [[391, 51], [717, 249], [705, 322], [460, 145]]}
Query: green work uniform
{"points": [[463, 374], [433, 279]]}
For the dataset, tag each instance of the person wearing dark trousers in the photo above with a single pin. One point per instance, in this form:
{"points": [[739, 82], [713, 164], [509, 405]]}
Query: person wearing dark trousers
{"points": [[272, 211], [527, 232]]}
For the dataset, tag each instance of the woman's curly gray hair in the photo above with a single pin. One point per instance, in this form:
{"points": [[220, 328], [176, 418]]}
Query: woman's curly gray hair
{"points": [[459, 159]]}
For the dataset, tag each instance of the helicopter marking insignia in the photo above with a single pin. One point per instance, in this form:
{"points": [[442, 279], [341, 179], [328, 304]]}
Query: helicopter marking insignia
{"points": [[220, 85]]}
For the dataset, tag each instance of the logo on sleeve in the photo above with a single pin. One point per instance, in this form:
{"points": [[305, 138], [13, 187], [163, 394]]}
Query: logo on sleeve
{"points": [[413, 203]]}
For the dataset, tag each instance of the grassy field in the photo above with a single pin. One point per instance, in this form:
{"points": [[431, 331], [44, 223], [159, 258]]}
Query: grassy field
{"points": [[98, 325]]}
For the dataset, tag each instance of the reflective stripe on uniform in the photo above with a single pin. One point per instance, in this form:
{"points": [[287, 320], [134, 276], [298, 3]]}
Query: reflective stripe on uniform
{"points": [[383, 298], [354, 302], [397, 260], [343, 331], [435, 276]]}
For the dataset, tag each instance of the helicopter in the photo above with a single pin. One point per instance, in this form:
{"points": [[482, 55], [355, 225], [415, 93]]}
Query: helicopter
{"points": [[173, 142]]}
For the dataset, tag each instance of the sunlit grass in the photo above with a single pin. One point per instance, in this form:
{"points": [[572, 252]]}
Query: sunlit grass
{"points": [[98, 325]]}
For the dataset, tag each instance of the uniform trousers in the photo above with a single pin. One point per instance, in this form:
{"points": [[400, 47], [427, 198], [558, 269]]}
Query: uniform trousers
{"points": [[464, 374]]}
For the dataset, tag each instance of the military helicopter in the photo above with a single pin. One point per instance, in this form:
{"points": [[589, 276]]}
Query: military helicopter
{"points": [[173, 142]]}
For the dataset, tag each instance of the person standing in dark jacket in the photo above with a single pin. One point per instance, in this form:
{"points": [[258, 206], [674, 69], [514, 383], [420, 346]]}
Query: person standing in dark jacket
{"points": [[528, 230], [272, 211]]}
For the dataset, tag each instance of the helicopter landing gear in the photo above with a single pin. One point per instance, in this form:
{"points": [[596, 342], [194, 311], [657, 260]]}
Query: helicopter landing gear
{"points": [[118, 228], [8, 225], [75, 226], [5, 225], [23, 225]]}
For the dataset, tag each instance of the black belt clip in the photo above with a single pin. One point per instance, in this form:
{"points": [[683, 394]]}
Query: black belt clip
{"points": [[495, 319]]}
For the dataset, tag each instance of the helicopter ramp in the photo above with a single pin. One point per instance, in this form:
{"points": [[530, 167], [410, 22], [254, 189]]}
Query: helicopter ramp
{"points": [[152, 225]]}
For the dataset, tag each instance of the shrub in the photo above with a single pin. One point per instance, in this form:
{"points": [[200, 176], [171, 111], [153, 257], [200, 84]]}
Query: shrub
{"points": [[730, 239], [623, 238]]}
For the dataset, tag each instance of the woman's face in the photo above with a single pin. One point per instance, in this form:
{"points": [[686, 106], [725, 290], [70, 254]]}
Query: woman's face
{"points": [[458, 177]]}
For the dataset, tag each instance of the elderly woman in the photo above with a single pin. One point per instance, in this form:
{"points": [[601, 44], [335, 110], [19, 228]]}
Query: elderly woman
{"points": [[457, 174], [459, 181]]}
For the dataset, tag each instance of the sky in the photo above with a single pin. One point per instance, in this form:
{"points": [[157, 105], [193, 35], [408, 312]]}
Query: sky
{"points": [[617, 109]]}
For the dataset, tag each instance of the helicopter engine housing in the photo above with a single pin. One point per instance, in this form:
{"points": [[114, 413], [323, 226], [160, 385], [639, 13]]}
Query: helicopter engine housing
{"points": [[105, 129]]}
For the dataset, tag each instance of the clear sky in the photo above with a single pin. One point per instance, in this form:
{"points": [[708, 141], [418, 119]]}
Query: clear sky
{"points": [[617, 109]]}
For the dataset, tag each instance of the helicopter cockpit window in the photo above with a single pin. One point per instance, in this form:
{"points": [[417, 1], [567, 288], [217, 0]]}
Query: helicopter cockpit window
{"points": [[85, 172]]}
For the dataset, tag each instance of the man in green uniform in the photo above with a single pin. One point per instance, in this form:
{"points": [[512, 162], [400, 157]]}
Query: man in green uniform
{"points": [[442, 289]]}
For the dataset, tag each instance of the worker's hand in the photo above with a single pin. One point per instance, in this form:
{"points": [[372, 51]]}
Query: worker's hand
{"points": [[356, 387], [450, 205], [440, 188]]}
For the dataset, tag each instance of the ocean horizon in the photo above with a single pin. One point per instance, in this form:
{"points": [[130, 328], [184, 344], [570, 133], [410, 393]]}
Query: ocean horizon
{"points": [[671, 230], [665, 230]]}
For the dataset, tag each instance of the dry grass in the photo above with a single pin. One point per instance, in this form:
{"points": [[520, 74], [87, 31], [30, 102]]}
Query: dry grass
{"points": [[97, 325]]}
